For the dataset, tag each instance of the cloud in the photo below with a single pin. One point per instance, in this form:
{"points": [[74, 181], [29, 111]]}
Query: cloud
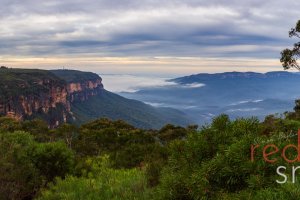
{"points": [[193, 85], [243, 110], [146, 28], [131, 83], [246, 101], [170, 67]]}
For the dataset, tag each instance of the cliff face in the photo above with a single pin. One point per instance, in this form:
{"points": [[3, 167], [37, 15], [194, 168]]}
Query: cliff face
{"points": [[27, 104], [82, 91], [28, 94]]}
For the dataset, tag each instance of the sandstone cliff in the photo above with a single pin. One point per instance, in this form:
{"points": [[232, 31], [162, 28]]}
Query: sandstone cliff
{"points": [[28, 94]]}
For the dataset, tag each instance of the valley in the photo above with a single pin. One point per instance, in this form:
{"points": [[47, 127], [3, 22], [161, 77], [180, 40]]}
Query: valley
{"points": [[238, 94]]}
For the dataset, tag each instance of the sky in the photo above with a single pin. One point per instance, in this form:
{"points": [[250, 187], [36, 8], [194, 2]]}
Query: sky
{"points": [[166, 37]]}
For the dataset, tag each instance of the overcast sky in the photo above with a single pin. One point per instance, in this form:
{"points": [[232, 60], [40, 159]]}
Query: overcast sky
{"points": [[146, 36]]}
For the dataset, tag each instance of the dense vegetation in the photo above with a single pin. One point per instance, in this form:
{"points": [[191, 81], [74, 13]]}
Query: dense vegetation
{"points": [[17, 82], [37, 162], [107, 159], [75, 76]]}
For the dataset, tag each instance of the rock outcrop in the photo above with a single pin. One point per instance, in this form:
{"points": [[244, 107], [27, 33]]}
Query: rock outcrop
{"points": [[28, 94], [82, 91]]}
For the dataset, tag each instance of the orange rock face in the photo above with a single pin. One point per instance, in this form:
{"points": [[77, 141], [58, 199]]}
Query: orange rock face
{"points": [[26, 105], [82, 91]]}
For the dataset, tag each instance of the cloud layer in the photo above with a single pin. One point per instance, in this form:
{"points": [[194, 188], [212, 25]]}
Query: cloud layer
{"points": [[146, 28]]}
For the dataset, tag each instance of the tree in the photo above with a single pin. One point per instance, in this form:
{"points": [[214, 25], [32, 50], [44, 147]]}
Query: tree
{"points": [[9, 125], [19, 178], [38, 128], [26, 165], [289, 57], [53, 159], [67, 132]]}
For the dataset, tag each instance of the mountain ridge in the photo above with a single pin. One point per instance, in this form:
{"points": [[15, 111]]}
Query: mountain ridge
{"points": [[233, 74], [265, 93], [69, 96]]}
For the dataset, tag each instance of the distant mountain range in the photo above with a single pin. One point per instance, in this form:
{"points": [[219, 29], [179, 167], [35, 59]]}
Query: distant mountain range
{"points": [[238, 94], [60, 96]]}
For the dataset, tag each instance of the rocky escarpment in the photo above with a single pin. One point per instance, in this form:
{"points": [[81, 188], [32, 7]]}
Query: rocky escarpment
{"points": [[80, 85], [48, 95], [82, 91]]}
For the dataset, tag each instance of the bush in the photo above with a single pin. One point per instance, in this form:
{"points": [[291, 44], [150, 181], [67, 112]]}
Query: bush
{"points": [[102, 182], [19, 178]]}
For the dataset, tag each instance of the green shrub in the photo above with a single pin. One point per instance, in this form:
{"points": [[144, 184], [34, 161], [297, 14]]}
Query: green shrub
{"points": [[102, 182]]}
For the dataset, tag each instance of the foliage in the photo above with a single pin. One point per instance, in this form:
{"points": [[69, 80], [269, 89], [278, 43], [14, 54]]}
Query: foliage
{"points": [[26, 166], [107, 159], [215, 163], [16, 82], [289, 57], [170, 132], [71, 76], [126, 145], [100, 183], [9, 125], [38, 128], [52, 159], [19, 178]]}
